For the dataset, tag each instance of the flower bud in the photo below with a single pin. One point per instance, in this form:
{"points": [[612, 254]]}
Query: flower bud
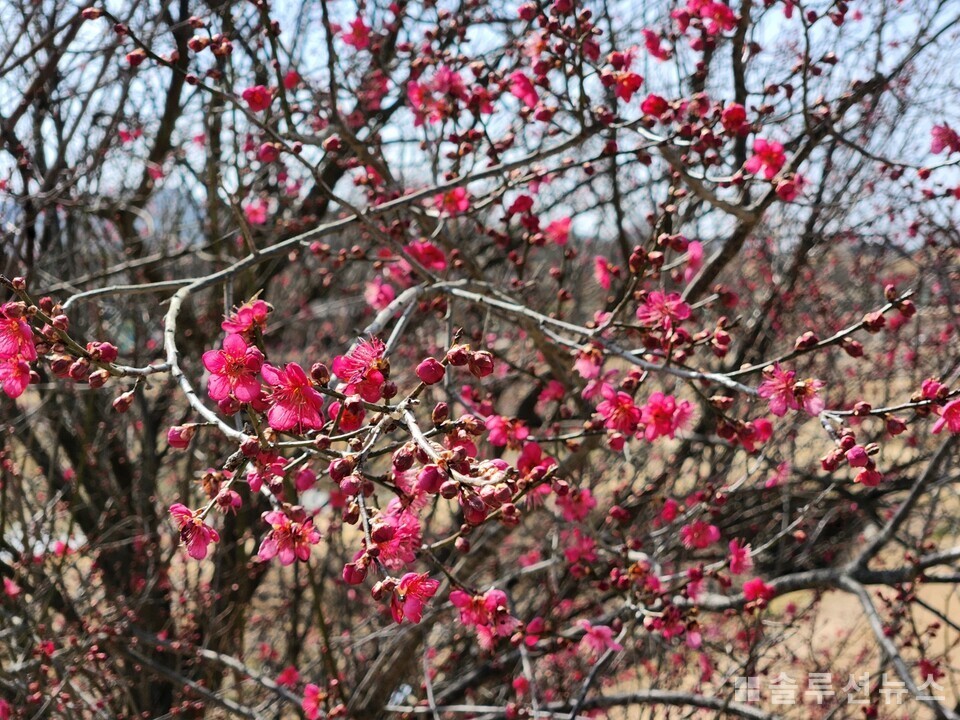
{"points": [[474, 509], [430, 479], [895, 425], [831, 461], [229, 406], [806, 341], [250, 447], [179, 436], [510, 514], [341, 467], [305, 479], [403, 459], [441, 412], [351, 485], [98, 378], [268, 153], [874, 322], [79, 369], [354, 573], [449, 489], [857, 456], [458, 355], [382, 533], [480, 363], [430, 371], [853, 348], [60, 365], [471, 424], [320, 373], [123, 402]]}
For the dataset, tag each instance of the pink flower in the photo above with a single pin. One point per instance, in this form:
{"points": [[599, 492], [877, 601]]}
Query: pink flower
{"points": [[295, 404], [288, 677], [453, 202], [311, 702], [719, 17], [428, 255], [767, 156], [626, 84], [289, 539], [778, 389], [598, 638], [16, 336], [10, 588], [618, 411], [379, 294], [193, 532], [350, 420], [532, 459], [655, 106], [396, 534], [502, 431], [654, 44], [740, 560], [604, 272], [694, 260], [14, 376], [361, 369], [553, 391], [522, 204], [233, 370], [522, 88], [733, 118], [943, 137], [558, 231], [439, 98], [578, 547], [256, 211], [589, 362], [783, 392], [757, 589], [663, 416], [662, 310], [488, 613], [247, 318], [671, 508], [411, 595], [949, 418], [699, 535], [359, 35], [933, 389], [577, 504], [258, 97]]}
